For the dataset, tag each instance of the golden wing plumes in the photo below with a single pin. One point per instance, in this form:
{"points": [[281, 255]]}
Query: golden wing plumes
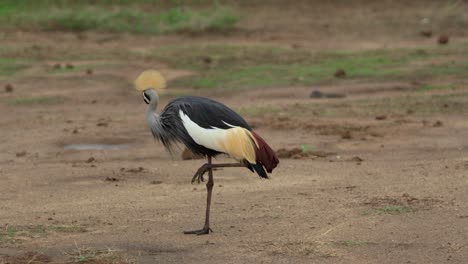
{"points": [[150, 79]]}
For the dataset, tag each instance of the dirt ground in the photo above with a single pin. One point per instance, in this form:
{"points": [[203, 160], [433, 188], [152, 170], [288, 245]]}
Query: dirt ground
{"points": [[391, 189]]}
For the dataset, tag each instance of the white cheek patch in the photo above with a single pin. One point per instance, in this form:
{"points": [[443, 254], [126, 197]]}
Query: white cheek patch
{"points": [[145, 99]]}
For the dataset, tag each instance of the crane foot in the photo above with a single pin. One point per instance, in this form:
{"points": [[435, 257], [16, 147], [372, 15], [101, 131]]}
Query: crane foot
{"points": [[198, 177], [203, 231]]}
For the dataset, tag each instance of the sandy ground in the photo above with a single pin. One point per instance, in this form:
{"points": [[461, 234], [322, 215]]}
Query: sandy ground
{"points": [[130, 205]]}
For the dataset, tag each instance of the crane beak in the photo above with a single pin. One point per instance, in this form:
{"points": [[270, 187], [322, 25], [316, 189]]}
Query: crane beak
{"points": [[146, 98]]}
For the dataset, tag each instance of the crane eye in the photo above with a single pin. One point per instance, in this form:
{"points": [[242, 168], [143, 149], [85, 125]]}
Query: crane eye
{"points": [[146, 98]]}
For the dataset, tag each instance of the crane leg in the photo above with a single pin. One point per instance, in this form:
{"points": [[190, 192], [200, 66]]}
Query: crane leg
{"points": [[209, 188], [198, 177]]}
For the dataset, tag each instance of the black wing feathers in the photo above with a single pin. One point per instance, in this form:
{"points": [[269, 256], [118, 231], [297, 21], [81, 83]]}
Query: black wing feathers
{"points": [[208, 113]]}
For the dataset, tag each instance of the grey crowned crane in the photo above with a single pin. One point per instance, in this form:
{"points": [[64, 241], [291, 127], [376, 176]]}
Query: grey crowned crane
{"points": [[207, 128]]}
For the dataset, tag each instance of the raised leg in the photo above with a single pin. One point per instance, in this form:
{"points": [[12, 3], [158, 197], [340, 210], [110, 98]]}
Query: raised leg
{"points": [[198, 176], [209, 188]]}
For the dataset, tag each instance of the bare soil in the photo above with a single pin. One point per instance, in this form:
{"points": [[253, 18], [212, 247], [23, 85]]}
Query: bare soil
{"points": [[353, 189]]}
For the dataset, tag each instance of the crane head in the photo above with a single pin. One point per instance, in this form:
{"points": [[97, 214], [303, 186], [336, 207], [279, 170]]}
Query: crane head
{"points": [[150, 79]]}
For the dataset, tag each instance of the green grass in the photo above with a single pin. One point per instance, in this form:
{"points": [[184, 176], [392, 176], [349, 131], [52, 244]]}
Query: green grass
{"points": [[243, 67], [13, 234], [429, 87], [420, 104], [440, 69], [115, 16], [10, 66], [38, 100]]}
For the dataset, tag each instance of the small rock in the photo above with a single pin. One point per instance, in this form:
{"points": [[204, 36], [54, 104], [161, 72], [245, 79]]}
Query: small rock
{"points": [[207, 59], [426, 33], [75, 131], [50, 219], [94, 101], [102, 124], [89, 71], [381, 117], [340, 73], [438, 123], [8, 88], [346, 135], [111, 179], [356, 159], [21, 154], [91, 159], [316, 94], [136, 170], [443, 40], [156, 182]]}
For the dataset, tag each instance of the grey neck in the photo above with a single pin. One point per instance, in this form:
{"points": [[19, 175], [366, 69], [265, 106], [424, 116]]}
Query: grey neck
{"points": [[152, 117]]}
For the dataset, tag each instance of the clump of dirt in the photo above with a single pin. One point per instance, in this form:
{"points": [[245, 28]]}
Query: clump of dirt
{"points": [[438, 123], [28, 257], [340, 73], [443, 39], [356, 159], [21, 154], [426, 33], [156, 182], [404, 200], [297, 153], [316, 94], [8, 88], [133, 170], [111, 179], [346, 135]]}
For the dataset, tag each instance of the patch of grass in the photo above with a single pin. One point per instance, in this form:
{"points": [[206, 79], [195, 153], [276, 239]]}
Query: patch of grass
{"points": [[94, 255], [17, 233], [115, 16], [43, 100], [454, 68], [420, 104], [429, 87], [67, 229], [10, 66], [238, 67]]}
